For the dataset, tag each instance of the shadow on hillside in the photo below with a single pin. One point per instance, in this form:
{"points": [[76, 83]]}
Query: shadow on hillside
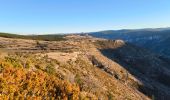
{"points": [[137, 67]]}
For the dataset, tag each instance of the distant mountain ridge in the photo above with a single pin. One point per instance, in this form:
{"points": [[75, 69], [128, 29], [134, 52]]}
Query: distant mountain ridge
{"points": [[157, 40], [48, 37]]}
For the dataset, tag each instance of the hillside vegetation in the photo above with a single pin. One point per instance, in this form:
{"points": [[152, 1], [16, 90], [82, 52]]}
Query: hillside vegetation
{"points": [[74, 69], [22, 77], [54, 37]]}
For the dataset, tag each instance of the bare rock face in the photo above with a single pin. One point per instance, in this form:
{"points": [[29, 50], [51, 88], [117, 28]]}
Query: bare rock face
{"points": [[119, 42]]}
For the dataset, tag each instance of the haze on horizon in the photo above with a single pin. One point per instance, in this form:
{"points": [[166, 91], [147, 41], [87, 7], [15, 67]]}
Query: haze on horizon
{"points": [[70, 16]]}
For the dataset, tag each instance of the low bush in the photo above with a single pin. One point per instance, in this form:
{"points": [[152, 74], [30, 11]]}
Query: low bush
{"points": [[20, 83]]}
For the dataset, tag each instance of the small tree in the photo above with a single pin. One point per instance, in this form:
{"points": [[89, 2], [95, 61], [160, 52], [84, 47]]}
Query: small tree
{"points": [[41, 46]]}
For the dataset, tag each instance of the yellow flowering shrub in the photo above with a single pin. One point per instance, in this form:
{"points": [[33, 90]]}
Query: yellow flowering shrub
{"points": [[18, 83]]}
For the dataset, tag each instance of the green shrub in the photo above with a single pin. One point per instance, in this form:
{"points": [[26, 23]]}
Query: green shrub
{"points": [[110, 96], [50, 69]]}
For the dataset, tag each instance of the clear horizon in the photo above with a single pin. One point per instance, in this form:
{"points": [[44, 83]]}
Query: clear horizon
{"points": [[73, 16]]}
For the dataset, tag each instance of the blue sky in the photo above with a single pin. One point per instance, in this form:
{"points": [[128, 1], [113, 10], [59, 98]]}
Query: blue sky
{"points": [[69, 16]]}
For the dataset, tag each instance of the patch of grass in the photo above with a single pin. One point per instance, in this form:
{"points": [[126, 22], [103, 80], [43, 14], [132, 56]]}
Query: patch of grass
{"points": [[79, 81]]}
